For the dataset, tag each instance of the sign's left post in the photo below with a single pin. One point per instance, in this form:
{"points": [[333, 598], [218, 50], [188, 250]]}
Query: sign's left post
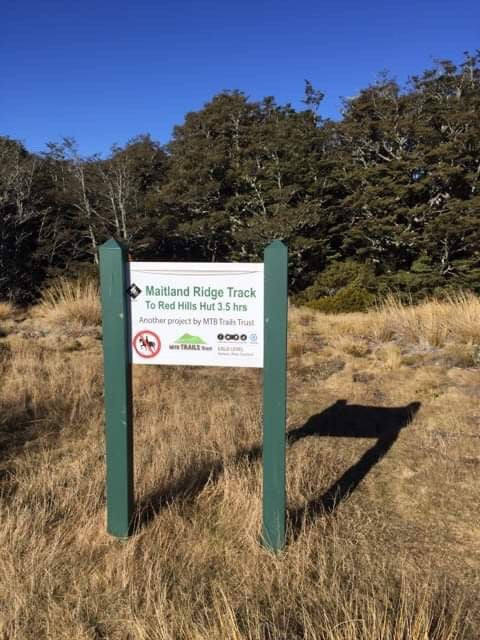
{"points": [[118, 388]]}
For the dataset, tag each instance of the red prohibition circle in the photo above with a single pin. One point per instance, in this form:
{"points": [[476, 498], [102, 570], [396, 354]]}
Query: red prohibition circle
{"points": [[147, 349]]}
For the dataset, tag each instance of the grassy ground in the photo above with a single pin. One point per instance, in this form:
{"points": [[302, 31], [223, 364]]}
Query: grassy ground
{"points": [[383, 491]]}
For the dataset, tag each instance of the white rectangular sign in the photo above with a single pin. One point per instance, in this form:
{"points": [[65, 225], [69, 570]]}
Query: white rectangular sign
{"points": [[196, 313]]}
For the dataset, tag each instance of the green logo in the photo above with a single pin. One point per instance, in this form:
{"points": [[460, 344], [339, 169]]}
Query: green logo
{"points": [[188, 339]]}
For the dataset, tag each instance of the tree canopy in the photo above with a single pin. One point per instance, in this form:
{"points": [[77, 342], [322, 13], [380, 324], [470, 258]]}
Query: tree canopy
{"points": [[390, 191]]}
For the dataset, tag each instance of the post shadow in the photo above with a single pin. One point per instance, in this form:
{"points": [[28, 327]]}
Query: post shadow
{"points": [[188, 486], [350, 421], [338, 420]]}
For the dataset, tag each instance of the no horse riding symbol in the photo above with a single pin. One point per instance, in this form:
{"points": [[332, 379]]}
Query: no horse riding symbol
{"points": [[147, 344]]}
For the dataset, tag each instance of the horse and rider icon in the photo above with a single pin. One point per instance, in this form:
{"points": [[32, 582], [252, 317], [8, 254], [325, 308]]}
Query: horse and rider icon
{"points": [[147, 344]]}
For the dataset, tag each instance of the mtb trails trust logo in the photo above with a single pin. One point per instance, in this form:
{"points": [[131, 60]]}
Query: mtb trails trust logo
{"points": [[188, 342]]}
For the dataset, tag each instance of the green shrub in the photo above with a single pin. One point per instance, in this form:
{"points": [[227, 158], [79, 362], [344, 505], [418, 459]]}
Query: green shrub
{"points": [[342, 287], [337, 276], [348, 299]]}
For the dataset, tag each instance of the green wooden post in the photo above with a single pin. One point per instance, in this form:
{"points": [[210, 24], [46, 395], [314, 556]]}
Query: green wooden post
{"points": [[118, 389], [274, 394]]}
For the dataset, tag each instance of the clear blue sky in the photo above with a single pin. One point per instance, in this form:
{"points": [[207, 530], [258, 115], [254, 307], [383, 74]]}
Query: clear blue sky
{"points": [[104, 71]]}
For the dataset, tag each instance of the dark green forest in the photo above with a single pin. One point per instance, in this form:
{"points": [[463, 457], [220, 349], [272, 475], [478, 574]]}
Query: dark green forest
{"points": [[385, 199]]}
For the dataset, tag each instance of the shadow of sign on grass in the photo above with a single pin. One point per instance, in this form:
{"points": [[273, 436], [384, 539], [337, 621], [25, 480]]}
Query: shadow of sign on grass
{"points": [[340, 420], [350, 421]]}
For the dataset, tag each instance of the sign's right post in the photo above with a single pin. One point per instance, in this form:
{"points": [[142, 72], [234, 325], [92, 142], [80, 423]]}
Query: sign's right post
{"points": [[275, 394]]}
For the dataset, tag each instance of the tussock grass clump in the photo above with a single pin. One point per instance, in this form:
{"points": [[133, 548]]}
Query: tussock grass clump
{"points": [[72, 302], [390, 355], [433, 322]]}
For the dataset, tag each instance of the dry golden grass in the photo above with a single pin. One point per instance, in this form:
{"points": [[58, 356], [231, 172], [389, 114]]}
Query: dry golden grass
{"points": [[7, 311], [432, 323], [72, 302], [391, 553]]}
